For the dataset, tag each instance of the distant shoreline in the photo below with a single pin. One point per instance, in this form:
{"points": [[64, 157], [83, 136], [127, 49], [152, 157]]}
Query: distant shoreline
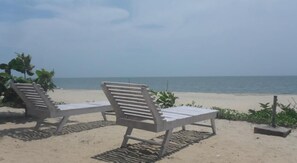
{"points": [[226, 85], [237, 94]]}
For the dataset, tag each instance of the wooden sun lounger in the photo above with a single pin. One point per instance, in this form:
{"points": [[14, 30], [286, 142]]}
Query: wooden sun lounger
{"points": [[39, 105], [135, 108]]}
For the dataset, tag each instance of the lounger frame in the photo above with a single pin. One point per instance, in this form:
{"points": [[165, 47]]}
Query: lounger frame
{"points": [[135, 108], [40, 105]]}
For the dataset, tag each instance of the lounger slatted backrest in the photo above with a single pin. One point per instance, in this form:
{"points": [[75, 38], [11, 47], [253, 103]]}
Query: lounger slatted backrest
{"points": [[132, 102], [37, 101]]}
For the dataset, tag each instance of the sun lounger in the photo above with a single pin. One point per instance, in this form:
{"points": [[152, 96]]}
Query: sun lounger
{"points": [[39, 105], [135, 108]]}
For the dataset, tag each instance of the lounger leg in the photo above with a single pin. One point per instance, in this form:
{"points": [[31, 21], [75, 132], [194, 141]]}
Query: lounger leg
{"points": [[104, 116], [61, 124], [213, 126], [128, 132], [38, 124], [165, 142]]}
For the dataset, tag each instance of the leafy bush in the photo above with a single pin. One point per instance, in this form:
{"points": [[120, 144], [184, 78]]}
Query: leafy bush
{"points": [[10, 98], [193, 104], [261, 116], [22, 64], [164, 99], [230, 114], [45, 79], [287, 117]]}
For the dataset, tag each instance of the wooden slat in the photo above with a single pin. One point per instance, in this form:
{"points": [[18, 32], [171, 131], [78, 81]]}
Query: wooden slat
{"points": [[132, 89], [174, 116], [123, 85], [190, 110], [110, 84], [139, 116], [23, 84], [38, 102], [124, 89], [32, 96], [136, 99], [132, 106], [126, 95], [123, 93], [42, 106], [131, 101], [136, 109], [25, 87], [27, 90], [137, 112]]}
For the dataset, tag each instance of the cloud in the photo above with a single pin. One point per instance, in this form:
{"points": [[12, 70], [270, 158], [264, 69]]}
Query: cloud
{"points": [[185, 36]]}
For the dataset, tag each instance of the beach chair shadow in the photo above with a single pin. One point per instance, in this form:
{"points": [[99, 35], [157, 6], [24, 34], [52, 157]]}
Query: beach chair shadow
{"points": [[29, 134], [145, 152], [40, 105], [17, 118]]}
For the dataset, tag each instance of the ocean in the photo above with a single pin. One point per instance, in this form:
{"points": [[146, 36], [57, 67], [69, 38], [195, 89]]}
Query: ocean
{"points": [[229, 85]]}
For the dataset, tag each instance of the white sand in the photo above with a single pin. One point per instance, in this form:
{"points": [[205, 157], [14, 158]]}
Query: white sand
{"points": [[240, 102], [234, 142]]}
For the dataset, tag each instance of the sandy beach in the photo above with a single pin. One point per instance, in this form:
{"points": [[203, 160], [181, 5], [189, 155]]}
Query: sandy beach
{"points": [[88, 139]]}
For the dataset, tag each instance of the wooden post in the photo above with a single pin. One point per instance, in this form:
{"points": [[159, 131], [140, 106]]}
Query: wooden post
{"points": [[274, 111]]}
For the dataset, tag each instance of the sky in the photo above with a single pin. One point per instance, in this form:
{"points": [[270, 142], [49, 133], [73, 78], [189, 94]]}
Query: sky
{"points": [[143, 38]]}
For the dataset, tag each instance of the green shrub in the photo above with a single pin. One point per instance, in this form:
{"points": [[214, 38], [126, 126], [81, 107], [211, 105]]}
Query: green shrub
{"points": [[45, 79], [287, 117], [261, 116], [22, 64], [10, 98], [193, 104], [230, 114], [223, 113], [164, 99]]}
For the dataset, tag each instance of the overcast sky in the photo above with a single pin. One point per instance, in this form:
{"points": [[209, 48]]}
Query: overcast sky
{"points": [[131, 38]]}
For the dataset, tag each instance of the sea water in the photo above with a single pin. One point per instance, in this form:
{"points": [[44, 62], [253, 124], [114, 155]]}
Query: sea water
{"points": [[230, 84]]}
